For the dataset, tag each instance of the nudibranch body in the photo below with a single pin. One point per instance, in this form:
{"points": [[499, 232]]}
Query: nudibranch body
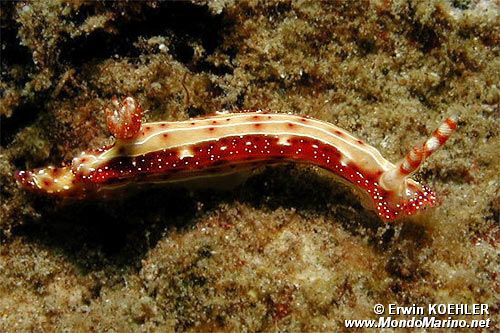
{"points": [[229, 142]]}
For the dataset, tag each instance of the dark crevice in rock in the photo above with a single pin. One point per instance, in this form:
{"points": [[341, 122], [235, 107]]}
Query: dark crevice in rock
{"points": [[184, 21], [12, 50], [23, 116]]}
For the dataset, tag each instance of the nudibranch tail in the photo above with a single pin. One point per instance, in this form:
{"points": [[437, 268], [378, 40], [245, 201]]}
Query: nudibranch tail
{"points": [[48, 180]]}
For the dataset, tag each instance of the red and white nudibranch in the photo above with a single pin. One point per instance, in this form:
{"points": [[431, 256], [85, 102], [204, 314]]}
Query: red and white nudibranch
{"points": [[229, 142]]}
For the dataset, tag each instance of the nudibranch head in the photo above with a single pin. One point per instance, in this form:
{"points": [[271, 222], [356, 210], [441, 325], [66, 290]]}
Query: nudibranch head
{"points": [[406, 196], [417, 197], [410, 199]]}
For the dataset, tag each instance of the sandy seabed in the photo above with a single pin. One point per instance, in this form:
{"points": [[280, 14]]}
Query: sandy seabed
{"points": [[290, 249]]}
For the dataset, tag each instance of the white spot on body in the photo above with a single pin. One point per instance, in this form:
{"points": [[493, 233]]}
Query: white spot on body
{"points": [[186, 152], [284, 141]]}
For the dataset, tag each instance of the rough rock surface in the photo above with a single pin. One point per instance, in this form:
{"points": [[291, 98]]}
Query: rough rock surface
{"points": [[290, 250]]}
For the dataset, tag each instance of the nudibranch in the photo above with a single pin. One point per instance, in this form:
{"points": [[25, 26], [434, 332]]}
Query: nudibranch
{"points": [[230, 142]]}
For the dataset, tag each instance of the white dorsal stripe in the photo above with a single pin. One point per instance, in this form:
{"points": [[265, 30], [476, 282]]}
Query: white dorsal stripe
{"points": [[184, 134]]}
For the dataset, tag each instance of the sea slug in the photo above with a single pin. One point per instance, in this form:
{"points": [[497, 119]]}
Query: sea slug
{"points": [[231, 142]]}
